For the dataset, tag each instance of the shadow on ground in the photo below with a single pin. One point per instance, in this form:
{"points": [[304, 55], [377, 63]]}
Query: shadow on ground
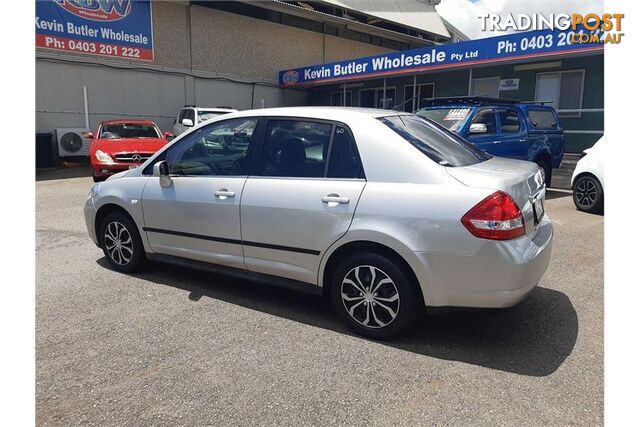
{"points": [[63, 173], [555, 194], [533, 338]]}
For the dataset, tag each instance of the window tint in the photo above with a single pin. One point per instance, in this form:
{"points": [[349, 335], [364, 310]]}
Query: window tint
{"points": [[440, 145], [509, 121], [344, 161], [189, 114], [218, 149], [295, 148], [543, 119], [486, 117]]}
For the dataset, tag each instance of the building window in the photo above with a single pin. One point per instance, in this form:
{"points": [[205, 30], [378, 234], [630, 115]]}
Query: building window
{"points": [[336, 98], [485, 87], [563, 89], [424, 92], [378, 98]]}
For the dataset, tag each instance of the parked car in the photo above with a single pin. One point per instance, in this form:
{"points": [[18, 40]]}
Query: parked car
{"points": [[503, 127], [388, 214], [587, 181], [191, 116], [119, 145]]}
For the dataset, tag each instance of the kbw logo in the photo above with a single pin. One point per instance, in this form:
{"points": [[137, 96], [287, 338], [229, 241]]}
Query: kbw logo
{"points": [[290, 77], [97, 10]]}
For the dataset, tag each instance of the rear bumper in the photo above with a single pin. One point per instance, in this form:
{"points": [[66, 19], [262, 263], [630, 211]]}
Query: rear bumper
{"points": [[501, 274]]}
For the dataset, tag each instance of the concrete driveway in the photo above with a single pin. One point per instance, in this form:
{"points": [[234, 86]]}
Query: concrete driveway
{"points": [[178, 347]]}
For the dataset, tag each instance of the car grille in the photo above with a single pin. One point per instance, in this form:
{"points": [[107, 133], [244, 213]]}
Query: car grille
{"points": [[133, 157]]}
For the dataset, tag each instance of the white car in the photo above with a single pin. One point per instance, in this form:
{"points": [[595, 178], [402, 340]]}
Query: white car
{"points": [[191, 116], [587, 180]]}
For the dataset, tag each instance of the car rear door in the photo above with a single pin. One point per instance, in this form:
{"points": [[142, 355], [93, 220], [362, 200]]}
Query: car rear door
{"points": [[198, 216], [512, 133], [302, 196]]}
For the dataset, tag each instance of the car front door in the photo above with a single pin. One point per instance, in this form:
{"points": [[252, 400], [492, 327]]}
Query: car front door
{"points": [[198, 215], [488, 141], [301, 198], [513, 134]]}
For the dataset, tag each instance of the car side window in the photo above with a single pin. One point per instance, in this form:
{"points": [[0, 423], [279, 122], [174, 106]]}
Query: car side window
{"points": [[295, 148], [190, 114], [486, 117], [344, 161], [543, 119], [181, 115], [509, 121], [221, 148]]}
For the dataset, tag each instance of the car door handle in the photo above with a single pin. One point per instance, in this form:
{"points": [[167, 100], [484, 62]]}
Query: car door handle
{"points": [[223, 193], [497, 142], [523, 139], [336, 199]]}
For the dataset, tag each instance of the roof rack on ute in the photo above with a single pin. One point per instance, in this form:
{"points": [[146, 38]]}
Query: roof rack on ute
{"points": [[471, 100], [189, 106]]}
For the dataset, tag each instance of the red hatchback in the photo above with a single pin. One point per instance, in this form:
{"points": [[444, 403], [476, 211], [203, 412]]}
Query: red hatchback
{"points": [[123, 144]]}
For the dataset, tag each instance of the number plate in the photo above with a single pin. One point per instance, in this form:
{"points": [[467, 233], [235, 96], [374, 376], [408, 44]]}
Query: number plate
{"points": [[133, 166]]}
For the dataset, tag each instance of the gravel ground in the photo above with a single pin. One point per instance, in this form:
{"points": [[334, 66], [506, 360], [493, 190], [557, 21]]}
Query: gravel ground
{"points": [[178, 347]]}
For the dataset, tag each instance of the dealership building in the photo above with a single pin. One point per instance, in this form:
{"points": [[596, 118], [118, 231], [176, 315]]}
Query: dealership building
{"points": [[103, 60]]}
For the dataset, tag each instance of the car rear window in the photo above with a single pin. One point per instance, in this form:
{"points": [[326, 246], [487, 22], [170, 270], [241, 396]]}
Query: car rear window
{"points": [[543, 119], [436, 142], [451, 118]]}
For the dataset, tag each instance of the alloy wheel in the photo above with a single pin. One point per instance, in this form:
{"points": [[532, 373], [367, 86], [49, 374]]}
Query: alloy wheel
{"points": [[370, 296], [118, 243], [586, 193]]}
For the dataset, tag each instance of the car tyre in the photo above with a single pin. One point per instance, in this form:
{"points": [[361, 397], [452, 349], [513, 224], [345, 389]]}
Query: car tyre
{"points": [[588, 195], [546, 170], [97, 178], [121, 243], [375, 296]]}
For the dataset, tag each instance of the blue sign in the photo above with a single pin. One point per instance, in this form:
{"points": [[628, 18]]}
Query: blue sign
{"points": [[116, 28], [510, 47]]}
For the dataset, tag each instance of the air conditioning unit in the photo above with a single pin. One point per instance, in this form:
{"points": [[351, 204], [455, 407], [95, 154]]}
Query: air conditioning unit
{"points": [[72, 142]]}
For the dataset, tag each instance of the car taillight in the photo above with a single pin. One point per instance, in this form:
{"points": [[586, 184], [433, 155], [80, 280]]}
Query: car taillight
{"points": [[497, 217]]}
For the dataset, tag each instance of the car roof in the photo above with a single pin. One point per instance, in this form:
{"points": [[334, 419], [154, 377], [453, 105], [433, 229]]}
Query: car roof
{"points": [[329, 113], [124, 121]]}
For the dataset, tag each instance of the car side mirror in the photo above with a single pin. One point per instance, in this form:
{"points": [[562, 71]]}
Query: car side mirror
{"points": [[161, 170], [88, 135], [168, 135], [478, 128], [187, 122]]}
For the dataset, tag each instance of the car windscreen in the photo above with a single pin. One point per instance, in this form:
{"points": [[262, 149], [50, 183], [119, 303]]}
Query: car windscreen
{"points": [[440, 145], [128, 130], [206, 115], [451, 118]]}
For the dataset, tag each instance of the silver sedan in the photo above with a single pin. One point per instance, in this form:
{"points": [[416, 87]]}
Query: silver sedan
{"points": [[383, 212]]}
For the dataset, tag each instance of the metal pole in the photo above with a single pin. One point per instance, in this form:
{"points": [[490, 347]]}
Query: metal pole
{"points": [[413, 103], [86, 107], [344, 94], [470, 81], [384, 92]]}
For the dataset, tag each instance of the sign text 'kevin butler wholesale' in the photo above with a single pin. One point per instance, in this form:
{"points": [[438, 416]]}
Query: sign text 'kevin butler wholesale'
{"points": [[490, 50], [115, 28]]}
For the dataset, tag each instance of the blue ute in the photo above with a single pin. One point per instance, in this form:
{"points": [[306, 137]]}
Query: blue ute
{"points": [[503, 127]]}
